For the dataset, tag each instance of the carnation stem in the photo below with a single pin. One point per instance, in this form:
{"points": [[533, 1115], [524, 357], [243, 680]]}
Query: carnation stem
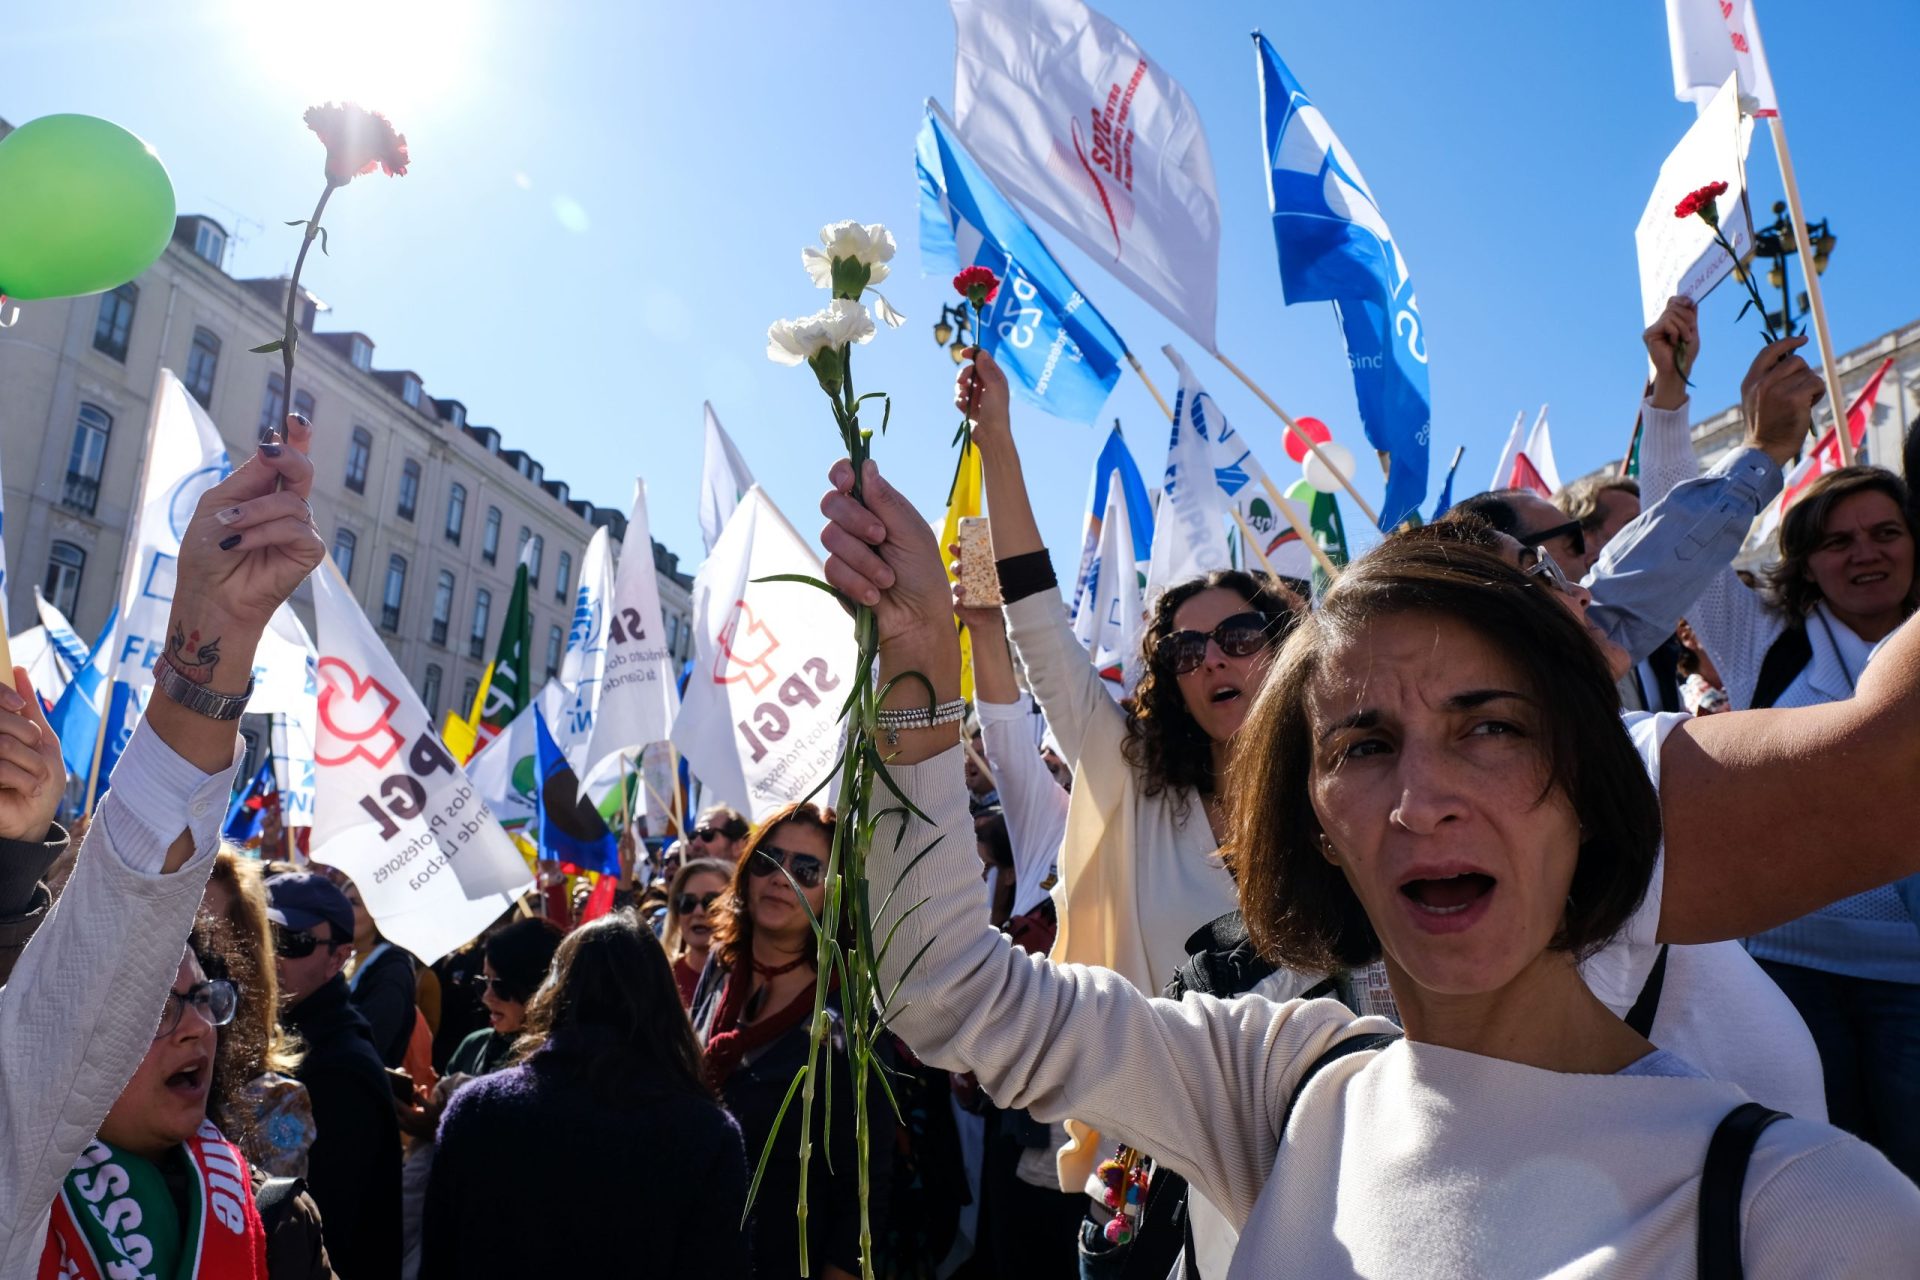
{"points": [[289, 340]]}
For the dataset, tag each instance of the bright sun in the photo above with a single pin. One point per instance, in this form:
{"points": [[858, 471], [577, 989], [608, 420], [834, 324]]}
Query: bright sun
{"points": [[398, 56]]}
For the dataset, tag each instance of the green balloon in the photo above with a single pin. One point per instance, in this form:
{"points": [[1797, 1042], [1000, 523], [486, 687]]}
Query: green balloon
{"points": [[84, 207]]}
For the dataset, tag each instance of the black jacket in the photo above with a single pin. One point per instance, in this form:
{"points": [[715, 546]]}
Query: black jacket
{"points": [[353, 1169], [383, 992], [24, 901]]}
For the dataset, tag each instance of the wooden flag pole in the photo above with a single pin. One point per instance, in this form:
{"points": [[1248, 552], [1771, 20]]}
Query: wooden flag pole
{"points": [[1815, 302], [6, 650], [1153, 390], [1313, 446]]}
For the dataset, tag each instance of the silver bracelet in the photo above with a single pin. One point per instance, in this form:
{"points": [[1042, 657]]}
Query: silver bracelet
{"points": [[198, 698], [893, 721]]}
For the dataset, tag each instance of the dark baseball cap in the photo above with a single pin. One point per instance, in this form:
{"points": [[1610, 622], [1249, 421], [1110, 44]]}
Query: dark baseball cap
{"points": [[304, 900]]}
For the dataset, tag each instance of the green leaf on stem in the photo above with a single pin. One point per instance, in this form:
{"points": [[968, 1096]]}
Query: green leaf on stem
{"points": [[268, 348], [296, 222], [753, 1189], [880, 768]]}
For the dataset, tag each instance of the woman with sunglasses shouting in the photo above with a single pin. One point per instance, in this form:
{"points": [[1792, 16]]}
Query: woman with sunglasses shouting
{"points": [[750, 1013], [1140, 869], [696, 887]]}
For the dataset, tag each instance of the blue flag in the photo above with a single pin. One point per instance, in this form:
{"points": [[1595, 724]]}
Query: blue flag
{"points": [[247, 813], [1115, 462], [1441, 507], [1059, 351], [76, 717], [1335, 247], [572, 832]]}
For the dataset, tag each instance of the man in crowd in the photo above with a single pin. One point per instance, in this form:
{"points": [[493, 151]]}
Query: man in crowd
{"points": [[354, 1166], [721, 833], [1604, 505]]}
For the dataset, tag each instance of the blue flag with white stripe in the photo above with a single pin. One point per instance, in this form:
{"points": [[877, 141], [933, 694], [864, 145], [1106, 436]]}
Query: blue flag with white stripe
{"points": [[76, 717], [1335, 247], [1115, 464], [1057, 350]]}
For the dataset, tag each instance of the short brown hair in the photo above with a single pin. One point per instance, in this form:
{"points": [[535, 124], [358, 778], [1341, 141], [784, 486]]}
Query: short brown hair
{"points": [[732, 922], [1790, 587], [1581, 499], [1299, 909]]}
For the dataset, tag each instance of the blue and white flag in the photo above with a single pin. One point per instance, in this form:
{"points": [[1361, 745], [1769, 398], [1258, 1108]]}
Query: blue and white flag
{"points": [[60, 634], [248, 812], [1335, 247], [1059, 351], [572, 832], [1114, 463], [76, 717], [1445, 501]]}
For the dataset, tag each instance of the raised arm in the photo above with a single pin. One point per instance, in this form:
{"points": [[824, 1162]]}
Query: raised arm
{"points": [[78, 1013], [1771, 814], [1050, 1039]]}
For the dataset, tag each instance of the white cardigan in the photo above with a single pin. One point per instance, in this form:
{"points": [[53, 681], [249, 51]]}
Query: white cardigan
{"points": [[1415, 1161], [78, 1014]]}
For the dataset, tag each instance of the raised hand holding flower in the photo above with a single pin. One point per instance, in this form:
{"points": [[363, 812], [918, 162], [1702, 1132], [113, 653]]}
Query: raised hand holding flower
{"points": [[978, 286], [1703, 203]]}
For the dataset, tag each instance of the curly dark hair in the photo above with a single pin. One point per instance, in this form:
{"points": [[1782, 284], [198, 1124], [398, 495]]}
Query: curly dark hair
{"points": [[241, 1047], [1165, 744], [1790, 587]]}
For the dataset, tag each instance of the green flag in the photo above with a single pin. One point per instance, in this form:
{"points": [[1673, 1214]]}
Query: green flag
{"points": [[1328, 531], [512, 685]]}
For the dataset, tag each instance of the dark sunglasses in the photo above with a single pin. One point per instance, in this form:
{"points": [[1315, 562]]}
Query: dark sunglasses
{"points": [[732, 831], [686, 904], [501, 989], [805, 869], [298, 944], [216, 1001], [1571, 530], [1241, 636]]}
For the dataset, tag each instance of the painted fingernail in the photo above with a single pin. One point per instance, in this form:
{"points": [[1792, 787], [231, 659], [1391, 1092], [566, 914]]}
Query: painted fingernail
{"points": [[229, 516], [269, 450], [301, 418], [229, 542]]}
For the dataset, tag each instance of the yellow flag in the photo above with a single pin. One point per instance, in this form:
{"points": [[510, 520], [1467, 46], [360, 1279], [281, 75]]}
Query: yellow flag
{"points": [[966, 502], [459, 733]]}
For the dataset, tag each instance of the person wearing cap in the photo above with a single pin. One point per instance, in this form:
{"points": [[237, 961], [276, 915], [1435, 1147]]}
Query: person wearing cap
{"points": [[353, 1168], [86, 996]]}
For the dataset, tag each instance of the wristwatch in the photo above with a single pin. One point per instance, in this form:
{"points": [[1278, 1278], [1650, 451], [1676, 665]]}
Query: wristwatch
{"points": [[198, 698]]}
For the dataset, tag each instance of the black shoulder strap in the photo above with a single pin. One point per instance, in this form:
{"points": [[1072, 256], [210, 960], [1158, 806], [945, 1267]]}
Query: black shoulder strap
{"points": [[1337, 1051], [1721, 1183], [274, 1197], [1786, 658], [1640, 1017]]}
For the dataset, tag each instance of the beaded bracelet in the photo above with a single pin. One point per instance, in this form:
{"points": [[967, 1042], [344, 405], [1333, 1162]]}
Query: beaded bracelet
{"points": [[893, 721]]}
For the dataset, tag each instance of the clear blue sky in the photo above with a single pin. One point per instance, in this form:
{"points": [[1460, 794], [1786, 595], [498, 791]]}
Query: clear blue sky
{"points": [[609, 201]]}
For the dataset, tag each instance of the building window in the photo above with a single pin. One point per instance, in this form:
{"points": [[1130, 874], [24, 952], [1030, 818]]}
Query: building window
{"points": [[202, 361], [520, 546], [490, 537], [456, 512], [209, 243], [457, 415], [115, 321], [396, 591], [430, 691], [409, 489], [87, 460], [673, 633], [410, 391], [554, 639], [565, 576], [273, 406], [359, 456], [344, 545], [482, 615], [468, 692], [65, 564], [442, 607], [360, 353], [533, 560], [303, 404]]}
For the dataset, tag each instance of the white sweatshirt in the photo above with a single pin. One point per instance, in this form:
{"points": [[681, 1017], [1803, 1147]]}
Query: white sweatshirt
{"points": [[1414, 1161]]}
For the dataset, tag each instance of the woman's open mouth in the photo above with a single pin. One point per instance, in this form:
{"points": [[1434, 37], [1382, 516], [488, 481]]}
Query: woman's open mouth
{"points": [[1227, 693], [1449, 903], [191, 1082]]}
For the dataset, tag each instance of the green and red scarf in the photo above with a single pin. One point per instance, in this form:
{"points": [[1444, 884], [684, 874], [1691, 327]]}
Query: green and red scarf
{"points": [[114, 1218]]}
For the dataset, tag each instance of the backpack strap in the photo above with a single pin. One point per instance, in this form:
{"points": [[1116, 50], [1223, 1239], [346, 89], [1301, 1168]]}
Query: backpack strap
{"points": [[1640, 1017], [1786, 658], [1335, 1052], [1721, 1183]]}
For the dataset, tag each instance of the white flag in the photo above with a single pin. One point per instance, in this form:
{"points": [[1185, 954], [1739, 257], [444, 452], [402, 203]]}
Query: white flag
{"points": [[393, 809], [1066, 113], [290, 743], [1539, 451], [1189, 531], [66, 642], [1113, 621], [286, 686], [760, 724], [571, 718], [638, 697], [506, 774], [724, 480], [1711, 40], [185, 458], [1503, 469], [34, 649]]}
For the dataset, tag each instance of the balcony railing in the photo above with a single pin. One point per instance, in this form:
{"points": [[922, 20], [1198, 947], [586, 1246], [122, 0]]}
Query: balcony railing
{"points": [[82, 493]]}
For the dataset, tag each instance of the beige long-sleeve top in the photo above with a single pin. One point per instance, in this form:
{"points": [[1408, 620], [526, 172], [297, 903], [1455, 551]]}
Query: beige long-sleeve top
{"points": [[1413, 1161], [78, 1014]]}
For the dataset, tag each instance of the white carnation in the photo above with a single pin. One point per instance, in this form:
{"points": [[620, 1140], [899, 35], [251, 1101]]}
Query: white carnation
{"points": [[794, 341], [870, 244]]}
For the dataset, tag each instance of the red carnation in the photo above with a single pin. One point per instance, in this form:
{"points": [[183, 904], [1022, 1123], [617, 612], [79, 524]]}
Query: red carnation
{"points": [[977, 285], [357, 141], [1702, 202]]}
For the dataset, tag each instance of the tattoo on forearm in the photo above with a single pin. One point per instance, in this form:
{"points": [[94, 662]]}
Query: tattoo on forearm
{"points": [[193, 656]]}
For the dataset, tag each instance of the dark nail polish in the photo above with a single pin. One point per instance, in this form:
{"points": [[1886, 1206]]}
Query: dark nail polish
{"points": [[269, 450], [229, 542], [302, 419]]}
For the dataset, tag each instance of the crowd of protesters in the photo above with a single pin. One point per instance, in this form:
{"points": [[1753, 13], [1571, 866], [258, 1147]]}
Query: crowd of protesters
{"points": [[1540, 899]]}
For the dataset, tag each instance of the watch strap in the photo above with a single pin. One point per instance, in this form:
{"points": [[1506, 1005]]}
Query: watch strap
{"points": [[198, 698]]}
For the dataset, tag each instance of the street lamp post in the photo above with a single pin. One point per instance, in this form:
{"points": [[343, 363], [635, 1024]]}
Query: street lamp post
{"points": [[1776, 243], [950, 331]]}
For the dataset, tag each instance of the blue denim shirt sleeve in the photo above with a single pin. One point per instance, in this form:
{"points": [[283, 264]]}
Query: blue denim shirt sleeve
{"points": [[1656, 567]]}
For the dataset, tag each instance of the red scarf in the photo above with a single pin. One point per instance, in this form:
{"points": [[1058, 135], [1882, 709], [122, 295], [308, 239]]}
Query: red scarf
{"points": [[728, 1043], [112, 1200]]}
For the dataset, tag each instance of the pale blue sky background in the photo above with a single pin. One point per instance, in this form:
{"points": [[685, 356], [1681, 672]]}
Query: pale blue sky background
{"points": [[609, 200]]}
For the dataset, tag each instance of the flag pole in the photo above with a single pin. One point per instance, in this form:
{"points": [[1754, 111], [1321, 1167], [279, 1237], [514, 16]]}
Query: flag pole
{"points": [[1815, 302], [1313, 446], [1151, 389], [6, 650], [1633, 442]]}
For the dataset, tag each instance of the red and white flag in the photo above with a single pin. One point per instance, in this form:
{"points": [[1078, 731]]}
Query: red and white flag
{"points": [[1539, 451], [1711, 40], [1527, 476], [1825, 456], [1073, 120]]}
